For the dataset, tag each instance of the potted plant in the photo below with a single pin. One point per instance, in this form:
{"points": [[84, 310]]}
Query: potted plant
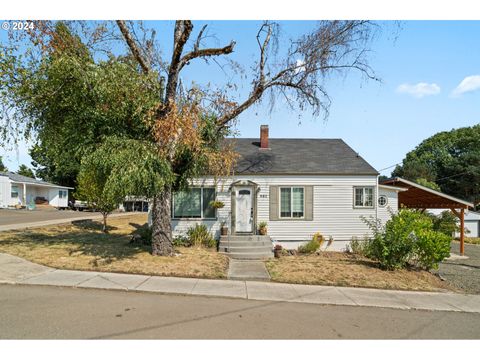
{"points": [[262, 228], [277, 251], [216, 204], [223, 229]]}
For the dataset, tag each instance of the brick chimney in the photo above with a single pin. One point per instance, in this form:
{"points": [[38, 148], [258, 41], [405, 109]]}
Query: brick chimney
{"points": [[264, 137]]}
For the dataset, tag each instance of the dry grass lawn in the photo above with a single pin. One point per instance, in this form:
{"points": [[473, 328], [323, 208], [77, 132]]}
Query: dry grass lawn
{"points": [[342, 269], [82, 246], [472, 240]]}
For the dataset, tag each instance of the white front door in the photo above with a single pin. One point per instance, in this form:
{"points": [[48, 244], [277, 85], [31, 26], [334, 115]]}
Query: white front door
{"points": [[243, 209]]}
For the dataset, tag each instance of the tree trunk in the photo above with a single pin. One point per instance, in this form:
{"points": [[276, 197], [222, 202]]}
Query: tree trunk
{"points": [[104, 228], [161, 224]]}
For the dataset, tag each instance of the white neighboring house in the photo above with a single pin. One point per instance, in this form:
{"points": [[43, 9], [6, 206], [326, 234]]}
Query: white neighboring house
{"points": [[298, 186], [22, 190], [472, 222]]}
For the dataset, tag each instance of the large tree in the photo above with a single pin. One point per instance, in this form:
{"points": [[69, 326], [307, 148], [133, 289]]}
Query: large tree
{"points": [[450, 159], [25, 171], [186, 142], [67, 102]]}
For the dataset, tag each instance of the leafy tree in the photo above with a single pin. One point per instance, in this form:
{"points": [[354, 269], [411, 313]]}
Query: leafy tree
{"points": [[450, 159], [25, 171], [428, 184], [3, 168], [104, 180], [72, 102], [186, 125]]}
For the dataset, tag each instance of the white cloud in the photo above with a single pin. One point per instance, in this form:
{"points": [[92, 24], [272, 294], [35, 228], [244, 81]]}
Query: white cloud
{"points": [[419, 90], [469, 84]]}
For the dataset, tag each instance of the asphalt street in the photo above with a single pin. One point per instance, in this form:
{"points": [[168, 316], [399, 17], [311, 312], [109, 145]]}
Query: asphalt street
{"points": [[12, 217], [44, 312]]}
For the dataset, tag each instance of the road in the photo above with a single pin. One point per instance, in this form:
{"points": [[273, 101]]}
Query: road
{"points": [[36, 312], [9, 217]]}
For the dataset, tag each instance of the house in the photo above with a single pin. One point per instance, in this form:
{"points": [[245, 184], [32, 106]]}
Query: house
{"points": [[18, 190], [298, 186], [472, 224]]}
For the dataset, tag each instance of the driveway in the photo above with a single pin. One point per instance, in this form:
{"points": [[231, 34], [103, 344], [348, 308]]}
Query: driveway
{"points": [[463, 273]]}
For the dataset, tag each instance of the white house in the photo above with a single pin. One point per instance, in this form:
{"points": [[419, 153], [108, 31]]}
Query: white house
{"points": [[298, 186], [472, 224], [22, 190]]}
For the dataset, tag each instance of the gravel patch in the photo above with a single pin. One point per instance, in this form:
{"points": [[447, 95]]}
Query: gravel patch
{"points": [[463, 273]]}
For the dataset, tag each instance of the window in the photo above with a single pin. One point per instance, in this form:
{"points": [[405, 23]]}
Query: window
{"points": [[292, 202], [382, 200], [62, 194], [363, 196], [194, 203], [14, 192]]}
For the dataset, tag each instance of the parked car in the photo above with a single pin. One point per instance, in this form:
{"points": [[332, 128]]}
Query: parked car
{"points": [[79, 205]]}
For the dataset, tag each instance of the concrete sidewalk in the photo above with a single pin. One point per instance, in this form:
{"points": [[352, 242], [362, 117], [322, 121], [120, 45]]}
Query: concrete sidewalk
{"points": [[35, 224], [14, 270]]}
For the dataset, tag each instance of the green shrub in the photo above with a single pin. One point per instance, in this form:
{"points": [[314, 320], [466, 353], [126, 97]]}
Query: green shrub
{"points": [[181, 240], [431, 247], [446, 223], [199, 235], [313, 245], [407, 237]]}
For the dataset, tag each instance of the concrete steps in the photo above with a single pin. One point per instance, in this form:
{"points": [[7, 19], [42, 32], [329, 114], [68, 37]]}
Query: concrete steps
{"points": [[246, 247]]}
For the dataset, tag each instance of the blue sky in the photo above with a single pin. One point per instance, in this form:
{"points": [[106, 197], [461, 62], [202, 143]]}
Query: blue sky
{"points": [[420, 65]]}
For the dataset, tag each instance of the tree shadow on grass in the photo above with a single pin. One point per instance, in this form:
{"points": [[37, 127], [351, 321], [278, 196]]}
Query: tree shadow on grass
{"points": [[89, 224]]}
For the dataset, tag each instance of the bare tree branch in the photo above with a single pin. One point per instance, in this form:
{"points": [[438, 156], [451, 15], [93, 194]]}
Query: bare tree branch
{"points": [[183, 30], [202, 53], [133, 46], [334, 46]]}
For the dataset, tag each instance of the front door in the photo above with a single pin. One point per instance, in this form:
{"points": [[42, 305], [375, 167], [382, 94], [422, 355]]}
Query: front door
{"points": [[244, 209]]}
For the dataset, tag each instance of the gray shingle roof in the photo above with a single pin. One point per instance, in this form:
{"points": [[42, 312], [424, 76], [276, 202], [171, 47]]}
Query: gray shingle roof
{"points": [[25, 179], [299, 157]]}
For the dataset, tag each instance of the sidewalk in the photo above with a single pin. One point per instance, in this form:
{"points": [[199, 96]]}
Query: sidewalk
{"points": [[14, 270], [35, 224]]}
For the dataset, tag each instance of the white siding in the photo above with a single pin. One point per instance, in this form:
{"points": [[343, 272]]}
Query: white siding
{"points": [[473, 226], [392, 204], [4, 192], [333, 211]]}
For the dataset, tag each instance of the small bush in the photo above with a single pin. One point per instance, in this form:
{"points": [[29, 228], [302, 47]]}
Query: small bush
{"points": [[181, 240], [431, 247], [357, 247], [446, 223], [313, 245], [408, 236], [199, 235]]}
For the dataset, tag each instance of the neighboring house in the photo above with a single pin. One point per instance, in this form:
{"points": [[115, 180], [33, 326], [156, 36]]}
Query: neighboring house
{"points": [[298, 186], [472, 224], [22, 190]]}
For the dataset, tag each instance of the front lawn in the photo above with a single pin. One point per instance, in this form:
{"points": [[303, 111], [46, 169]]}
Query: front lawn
{"points": [[82, 246], [342, 269]]}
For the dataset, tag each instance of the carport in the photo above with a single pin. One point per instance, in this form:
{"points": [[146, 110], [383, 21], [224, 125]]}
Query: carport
{"points": [[420, 197]]}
